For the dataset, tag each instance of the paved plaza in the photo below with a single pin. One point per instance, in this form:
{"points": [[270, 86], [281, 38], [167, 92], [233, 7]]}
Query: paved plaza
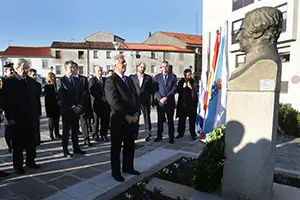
{"points": [[88, 176]]}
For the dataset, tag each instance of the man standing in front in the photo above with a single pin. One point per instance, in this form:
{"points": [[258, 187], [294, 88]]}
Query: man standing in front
{"points": [[71, 96], [100, 105], [165, 86], [22, 113], [144, 87], [124, 102], [84, 118]]}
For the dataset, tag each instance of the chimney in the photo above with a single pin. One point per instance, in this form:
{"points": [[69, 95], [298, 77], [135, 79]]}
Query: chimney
{"points": [[149, 34]]}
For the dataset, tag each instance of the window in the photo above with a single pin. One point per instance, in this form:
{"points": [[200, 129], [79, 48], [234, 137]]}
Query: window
{"points": [[108, 67], [240, 60], [236, 25], [284, 87], [285, 57], [80, 69], [95, 54], [108, 55], [153, 68], [152, 55], [121, 53], [45, 64], [283, 9], [237, 4], [58, 54], [80, 54], [58, 69], [138, 55], [181, 56]]}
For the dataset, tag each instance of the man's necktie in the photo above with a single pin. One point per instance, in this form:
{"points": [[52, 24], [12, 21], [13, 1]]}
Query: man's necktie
{"points": [[125, 80], [71, 80], [102, 86], [165, 79]]}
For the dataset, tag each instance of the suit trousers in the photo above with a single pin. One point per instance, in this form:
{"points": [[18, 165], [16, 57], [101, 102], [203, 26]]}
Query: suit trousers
{"points": [[101, 119], [18, 160], [187, 112], [84, 127], [161, 112], [122, 134], [147, 119], [53, 124], [7, 136], [70, 122]]}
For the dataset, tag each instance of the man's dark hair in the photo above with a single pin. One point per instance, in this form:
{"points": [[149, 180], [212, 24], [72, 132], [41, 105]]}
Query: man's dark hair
{"points": [[9, 66], [166, 62], [186, 71], [69, 62], [32, 71], [110, 71]]}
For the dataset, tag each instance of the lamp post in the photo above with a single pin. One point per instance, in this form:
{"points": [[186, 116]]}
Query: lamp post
{"points": [[9, 41], [116, 45]]}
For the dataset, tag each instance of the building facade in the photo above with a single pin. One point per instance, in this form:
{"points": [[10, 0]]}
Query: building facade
{"points": [[214, 16], [90, 54], [39, 58]]}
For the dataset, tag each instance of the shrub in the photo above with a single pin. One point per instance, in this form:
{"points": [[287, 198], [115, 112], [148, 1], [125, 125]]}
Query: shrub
{"points": [[288, 120], [209, 168]]}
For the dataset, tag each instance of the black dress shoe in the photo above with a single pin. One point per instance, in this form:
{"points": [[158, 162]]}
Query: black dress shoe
{"points": [[147, 139], [32, 165], [133, 172], [172, 141], [20, 171], [106, 138], [3, 174], [119, 178], [157, 139], [194, 137], [51, 137], [58, 136], [68, 154], [79, 151], [97, 139], [89, 144], [179, 136]]}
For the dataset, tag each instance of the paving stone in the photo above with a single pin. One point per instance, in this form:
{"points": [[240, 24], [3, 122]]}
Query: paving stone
{"points": [[285, 192], [103, 166], [104, 180], [6, 193], [85, 191], [19, 185], [64, 182], [61, 196], [195, 148], [86, 173], [39, 192], [49, 176]]}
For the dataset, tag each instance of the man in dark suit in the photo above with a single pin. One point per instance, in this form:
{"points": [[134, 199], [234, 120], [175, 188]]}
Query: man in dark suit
{"points": [[100, 105], [22, 113], [144, 87], [84, 118], [125, 110], [71, 94], [165, 84], [8, 71]]}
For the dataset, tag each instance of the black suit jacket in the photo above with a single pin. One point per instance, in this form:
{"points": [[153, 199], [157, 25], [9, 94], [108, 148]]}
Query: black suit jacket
{"points": [[21, 104], [99, 100], [51, 101], [69, 95], [86, 94], [122, 99], [146, 90]]}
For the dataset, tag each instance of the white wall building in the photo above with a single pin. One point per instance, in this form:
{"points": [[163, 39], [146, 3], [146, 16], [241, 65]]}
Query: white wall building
{"points": [[215, 13], [89, 54], [38, 57]]}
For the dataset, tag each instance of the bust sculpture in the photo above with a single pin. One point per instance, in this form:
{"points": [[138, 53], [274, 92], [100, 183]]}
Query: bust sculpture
{"points": [[258, 37], [252, 109]]}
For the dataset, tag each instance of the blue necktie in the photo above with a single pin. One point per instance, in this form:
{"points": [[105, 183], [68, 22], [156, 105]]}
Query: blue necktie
{"points": [[71, 80], [124, 79], [165, 79]]}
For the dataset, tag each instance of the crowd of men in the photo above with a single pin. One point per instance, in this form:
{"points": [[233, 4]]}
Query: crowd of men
{"points": [[114, 102]]}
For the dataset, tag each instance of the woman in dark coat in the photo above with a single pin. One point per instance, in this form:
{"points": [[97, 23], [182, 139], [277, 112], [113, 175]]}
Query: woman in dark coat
{"points": [[187, 104], [52, 105]]}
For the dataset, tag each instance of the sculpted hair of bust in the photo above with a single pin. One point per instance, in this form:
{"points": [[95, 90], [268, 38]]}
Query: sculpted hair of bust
{"points": [[260, 27]]}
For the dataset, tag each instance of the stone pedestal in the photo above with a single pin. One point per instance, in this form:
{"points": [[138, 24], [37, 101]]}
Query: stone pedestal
{"points": [[250, 141]]}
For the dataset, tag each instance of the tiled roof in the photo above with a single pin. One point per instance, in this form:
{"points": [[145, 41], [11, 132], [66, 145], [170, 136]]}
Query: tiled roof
{"points": [[155, 47], [187, 38], [27, 51], [85, 45], [123, 46], [104, 33]]}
